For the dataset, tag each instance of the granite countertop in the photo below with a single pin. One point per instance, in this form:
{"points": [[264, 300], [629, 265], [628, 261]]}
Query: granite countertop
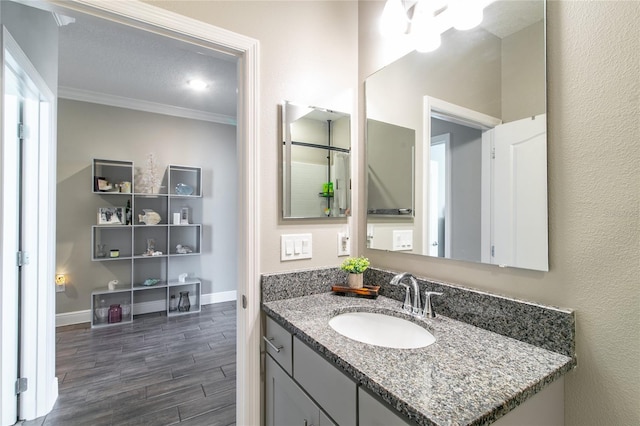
{"points": [[469, 376]]}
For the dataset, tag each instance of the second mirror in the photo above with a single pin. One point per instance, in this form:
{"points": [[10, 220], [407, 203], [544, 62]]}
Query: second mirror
{"points": [[316, 158]]}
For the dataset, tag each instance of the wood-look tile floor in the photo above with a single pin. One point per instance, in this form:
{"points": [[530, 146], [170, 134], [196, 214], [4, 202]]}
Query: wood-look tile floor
{"points": [[155, 371]]}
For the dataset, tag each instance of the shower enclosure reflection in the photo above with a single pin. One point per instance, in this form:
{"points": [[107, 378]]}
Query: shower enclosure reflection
{"points": [[316, 146]]}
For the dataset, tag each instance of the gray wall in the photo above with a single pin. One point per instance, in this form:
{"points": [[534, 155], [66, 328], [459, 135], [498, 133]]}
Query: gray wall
{"points": [[87, 131]]}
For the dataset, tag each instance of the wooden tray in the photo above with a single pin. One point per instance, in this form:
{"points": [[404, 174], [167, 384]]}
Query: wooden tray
{"points": [[366, 291]]}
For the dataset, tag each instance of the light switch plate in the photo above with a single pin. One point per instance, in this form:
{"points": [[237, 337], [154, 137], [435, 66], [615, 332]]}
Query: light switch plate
{"points": [[344, 244], [295, 246]]}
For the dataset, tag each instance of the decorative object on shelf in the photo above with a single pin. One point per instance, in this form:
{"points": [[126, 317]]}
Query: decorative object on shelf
{"points": [[355, 266], [183, 277], [111, 216], [149, 217], [101, 250], [180, 249], [184, 216], [184, 304], [173, 303], [150, 179], [150, 281], [151, 247], [183, 189], [101, 184], [114, 253], [126, 308], [127, 213], [102, 311], [112, 285], [176, 218], [125, 187], [115, 313]]}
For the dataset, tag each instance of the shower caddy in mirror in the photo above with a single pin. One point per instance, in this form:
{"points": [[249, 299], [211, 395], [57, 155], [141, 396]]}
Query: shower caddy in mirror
{"points": [[316, 157], [475, 111]]}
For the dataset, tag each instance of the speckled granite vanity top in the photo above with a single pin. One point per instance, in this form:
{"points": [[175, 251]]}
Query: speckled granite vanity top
{"points": [[468, 376]]}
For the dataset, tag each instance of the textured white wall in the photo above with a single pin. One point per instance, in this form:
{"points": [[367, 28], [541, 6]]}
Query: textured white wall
{"points": [[594, 202]]}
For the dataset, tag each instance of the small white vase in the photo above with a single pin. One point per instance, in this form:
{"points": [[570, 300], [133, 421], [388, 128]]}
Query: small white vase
{"points": [[355, 280]]}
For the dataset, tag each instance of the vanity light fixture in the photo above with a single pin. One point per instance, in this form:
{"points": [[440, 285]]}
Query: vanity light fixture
{"points": [[427, 20], [394, 18], [197, 84]]}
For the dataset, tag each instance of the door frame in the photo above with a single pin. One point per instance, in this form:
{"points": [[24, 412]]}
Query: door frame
{"points": [[434, 107], [37, 305], [169, 24]]}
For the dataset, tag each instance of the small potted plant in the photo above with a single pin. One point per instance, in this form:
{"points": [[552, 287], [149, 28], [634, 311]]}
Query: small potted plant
{"points": [[355, 266]]}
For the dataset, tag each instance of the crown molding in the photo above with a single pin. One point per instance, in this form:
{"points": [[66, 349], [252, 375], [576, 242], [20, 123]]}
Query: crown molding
{"points": [[139, 105]]}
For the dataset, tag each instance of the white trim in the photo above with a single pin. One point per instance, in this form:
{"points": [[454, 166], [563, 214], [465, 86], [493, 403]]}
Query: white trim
{"points": [[70, 318], [37, 346], [79, 317], [139, 105], [220, 297], [458, 114]]}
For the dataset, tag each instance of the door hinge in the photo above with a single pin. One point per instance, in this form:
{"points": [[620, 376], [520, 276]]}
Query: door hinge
{"points": [[22, 258], [493, 153], [244, 302], [20, 131], [21, 385], [493, 251]]}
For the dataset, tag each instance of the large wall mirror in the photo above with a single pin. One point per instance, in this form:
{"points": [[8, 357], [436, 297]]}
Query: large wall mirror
{"points": [[474, 114], [316, 159]]}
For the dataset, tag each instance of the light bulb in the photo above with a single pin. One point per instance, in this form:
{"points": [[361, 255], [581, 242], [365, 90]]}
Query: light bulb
{"points": [[394, 18], [466, 14], [197, 84], [424, 30]]}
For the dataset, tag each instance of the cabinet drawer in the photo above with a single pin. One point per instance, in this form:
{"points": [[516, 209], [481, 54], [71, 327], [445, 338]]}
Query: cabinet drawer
{"points": [[280, 347], [329, 387]]}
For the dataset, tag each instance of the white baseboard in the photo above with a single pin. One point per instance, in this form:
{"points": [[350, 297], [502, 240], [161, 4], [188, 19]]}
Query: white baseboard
{"points": [[78, 317], [223, 296], [69, 318]]}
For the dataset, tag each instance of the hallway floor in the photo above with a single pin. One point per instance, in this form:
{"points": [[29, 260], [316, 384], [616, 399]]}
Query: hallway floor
{"points": [[155, 371]]}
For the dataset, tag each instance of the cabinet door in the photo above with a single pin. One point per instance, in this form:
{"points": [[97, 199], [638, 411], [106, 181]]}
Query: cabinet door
{"points": [[286, 403], [375, 413], [329, 387]]}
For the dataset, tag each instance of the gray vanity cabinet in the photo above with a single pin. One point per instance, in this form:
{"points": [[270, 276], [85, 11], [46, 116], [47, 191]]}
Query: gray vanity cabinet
{"points": [[286, 403]]}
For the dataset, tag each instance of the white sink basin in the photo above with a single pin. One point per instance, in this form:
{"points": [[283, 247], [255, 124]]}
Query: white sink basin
{"points": [[381, 330]]}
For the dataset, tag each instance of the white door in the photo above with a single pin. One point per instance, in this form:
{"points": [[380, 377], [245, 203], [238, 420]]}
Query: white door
{"points": [[520, 194]]}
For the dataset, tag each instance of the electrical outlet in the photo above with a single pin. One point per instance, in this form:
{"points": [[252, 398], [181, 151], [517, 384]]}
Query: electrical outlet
{"points": [[344, 244], [61, 280]]}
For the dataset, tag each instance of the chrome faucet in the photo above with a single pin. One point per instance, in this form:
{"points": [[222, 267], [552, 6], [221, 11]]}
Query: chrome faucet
{"points": [[415, 308]]}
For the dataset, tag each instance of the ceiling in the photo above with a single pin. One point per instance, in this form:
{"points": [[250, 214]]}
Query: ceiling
{"points": [[107, 62]]}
